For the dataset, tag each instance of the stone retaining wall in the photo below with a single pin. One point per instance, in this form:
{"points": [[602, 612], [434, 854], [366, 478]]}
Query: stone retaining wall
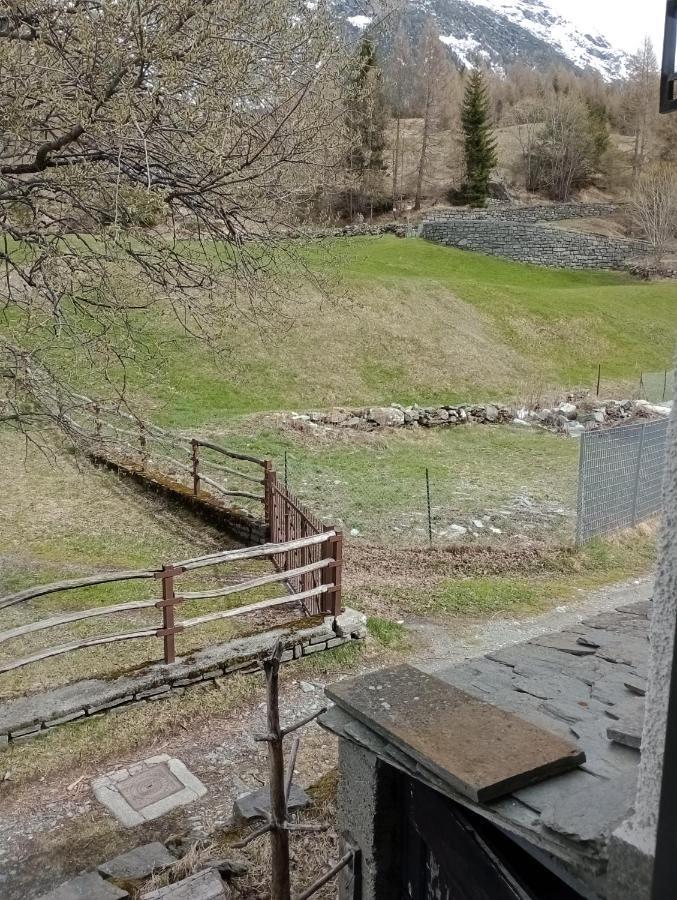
{"points": [[28, 717], [509, 212], [528, 242]]}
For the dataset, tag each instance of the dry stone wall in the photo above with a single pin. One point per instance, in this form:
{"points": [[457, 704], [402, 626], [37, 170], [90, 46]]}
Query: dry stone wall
{"points": [[522, 234]]}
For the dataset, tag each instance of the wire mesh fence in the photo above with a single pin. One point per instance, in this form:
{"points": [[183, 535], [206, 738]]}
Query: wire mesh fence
{"points": [[656, 387], [620, 478]]}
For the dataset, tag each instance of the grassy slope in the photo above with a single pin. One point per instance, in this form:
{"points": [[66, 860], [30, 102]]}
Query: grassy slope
{"points": [[375, 482], [422, 323]]}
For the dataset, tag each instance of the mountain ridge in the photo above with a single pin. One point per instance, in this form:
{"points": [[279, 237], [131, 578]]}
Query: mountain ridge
{"points": [[499, 33]]}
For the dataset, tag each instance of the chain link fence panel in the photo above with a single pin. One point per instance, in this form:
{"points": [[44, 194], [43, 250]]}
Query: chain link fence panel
{"points": [[656, 387], [620, 478]]}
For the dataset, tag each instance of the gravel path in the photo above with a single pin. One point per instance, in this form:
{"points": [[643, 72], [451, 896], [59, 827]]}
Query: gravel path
{"points": [[52, 830]]}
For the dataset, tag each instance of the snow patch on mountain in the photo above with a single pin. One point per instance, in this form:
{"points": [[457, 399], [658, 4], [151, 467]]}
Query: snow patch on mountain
{"points": [[538, 18], [466, 49], [360, 22]]}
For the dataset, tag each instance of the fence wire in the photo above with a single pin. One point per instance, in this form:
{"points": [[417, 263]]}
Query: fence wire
{"points": [[620, 477], [656, 387]]}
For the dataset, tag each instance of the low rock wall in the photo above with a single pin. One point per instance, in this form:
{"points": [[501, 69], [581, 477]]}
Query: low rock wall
{"points": [[29, 717], [573, 415]]}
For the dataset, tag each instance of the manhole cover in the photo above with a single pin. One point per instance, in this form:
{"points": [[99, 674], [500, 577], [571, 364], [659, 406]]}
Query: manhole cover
{"points": [[148, 789], [150, 786]]}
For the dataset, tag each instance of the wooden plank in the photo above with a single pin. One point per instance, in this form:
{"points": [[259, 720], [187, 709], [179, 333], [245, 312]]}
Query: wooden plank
{"points": [[253, 607], [252, 583], [73, 583], [75, 616], [76, 645], [479, 750], [231, 453], [264, 550]]}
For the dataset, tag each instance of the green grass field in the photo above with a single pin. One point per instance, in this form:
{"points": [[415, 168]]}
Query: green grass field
{"points": [[411, 321]]}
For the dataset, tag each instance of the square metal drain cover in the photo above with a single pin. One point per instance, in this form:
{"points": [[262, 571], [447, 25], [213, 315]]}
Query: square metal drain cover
{"points": [[147, 790]]}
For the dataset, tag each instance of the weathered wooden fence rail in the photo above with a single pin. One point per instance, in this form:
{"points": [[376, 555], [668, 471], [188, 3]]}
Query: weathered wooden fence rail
{"points": [[320, 561]]}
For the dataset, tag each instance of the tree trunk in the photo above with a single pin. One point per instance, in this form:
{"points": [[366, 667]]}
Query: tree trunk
{"points": [[396, 159], [280, 888], [424, 148]]}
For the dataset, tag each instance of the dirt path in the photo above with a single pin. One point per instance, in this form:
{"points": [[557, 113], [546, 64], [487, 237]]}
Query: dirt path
{"points": [[55, 828]]}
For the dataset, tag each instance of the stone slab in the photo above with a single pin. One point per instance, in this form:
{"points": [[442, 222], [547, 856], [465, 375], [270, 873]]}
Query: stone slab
{"points": [[202, 886], [90, 886], [627, 729], [147, 790], [565, 643], [256, 804], [138, 863], [481, 751], [594, 811]]}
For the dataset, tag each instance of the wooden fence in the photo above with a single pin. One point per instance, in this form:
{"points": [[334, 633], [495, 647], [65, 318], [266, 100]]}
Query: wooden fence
{"points": [[306, 554], [312, 564]]}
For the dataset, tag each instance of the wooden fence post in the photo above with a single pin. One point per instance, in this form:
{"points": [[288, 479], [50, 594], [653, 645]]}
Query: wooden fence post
{"points": [[196, 463], [333, 550], [167, 604], [269, 480]]}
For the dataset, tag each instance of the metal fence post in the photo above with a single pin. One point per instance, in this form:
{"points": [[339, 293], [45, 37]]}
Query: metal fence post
{"points": [[581, 486], [142, 445], [169, 628], [638, 474], [196, 463]]}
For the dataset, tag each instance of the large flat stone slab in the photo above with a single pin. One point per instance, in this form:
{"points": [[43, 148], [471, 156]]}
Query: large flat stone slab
{"points": [[256, 805], [203, 886], [141, 862], [86, 887], [591, 813], [481, 751], [147, 790]]}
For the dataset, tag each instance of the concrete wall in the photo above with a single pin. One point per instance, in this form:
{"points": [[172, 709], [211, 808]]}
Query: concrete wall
{"points": [[526, 241], [633, 848], [369, 812]]}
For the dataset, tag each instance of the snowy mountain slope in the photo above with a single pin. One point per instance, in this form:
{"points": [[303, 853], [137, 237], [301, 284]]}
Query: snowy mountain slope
{"points": [[501, 32]]}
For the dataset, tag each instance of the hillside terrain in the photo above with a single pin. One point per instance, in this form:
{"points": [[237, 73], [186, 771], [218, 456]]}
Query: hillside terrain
{"points": [[414, 322]]}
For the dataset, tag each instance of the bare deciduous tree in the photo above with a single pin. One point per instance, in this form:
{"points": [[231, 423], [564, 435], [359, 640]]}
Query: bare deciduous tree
{"points": [[654, 207], [642, 86], [151, 156]]}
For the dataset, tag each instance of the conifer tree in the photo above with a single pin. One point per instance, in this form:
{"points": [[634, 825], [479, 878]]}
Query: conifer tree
{"points": [[367, 119], [478, 140]]}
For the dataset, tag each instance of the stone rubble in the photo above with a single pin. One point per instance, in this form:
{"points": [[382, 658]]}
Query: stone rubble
{"points": [[575, 415]]}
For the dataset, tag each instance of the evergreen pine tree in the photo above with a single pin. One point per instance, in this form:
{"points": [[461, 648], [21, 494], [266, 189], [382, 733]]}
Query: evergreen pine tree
{"points": [[367, 118], [479, 143]]}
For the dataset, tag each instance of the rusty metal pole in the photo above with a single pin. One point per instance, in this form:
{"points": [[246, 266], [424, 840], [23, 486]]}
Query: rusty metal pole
{"points": [[142, 444], [97, 421], [196, 463], [169, 600]]}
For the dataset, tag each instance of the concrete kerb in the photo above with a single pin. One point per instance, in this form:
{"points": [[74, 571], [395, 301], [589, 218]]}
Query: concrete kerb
{"points": [[25, 718]]}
